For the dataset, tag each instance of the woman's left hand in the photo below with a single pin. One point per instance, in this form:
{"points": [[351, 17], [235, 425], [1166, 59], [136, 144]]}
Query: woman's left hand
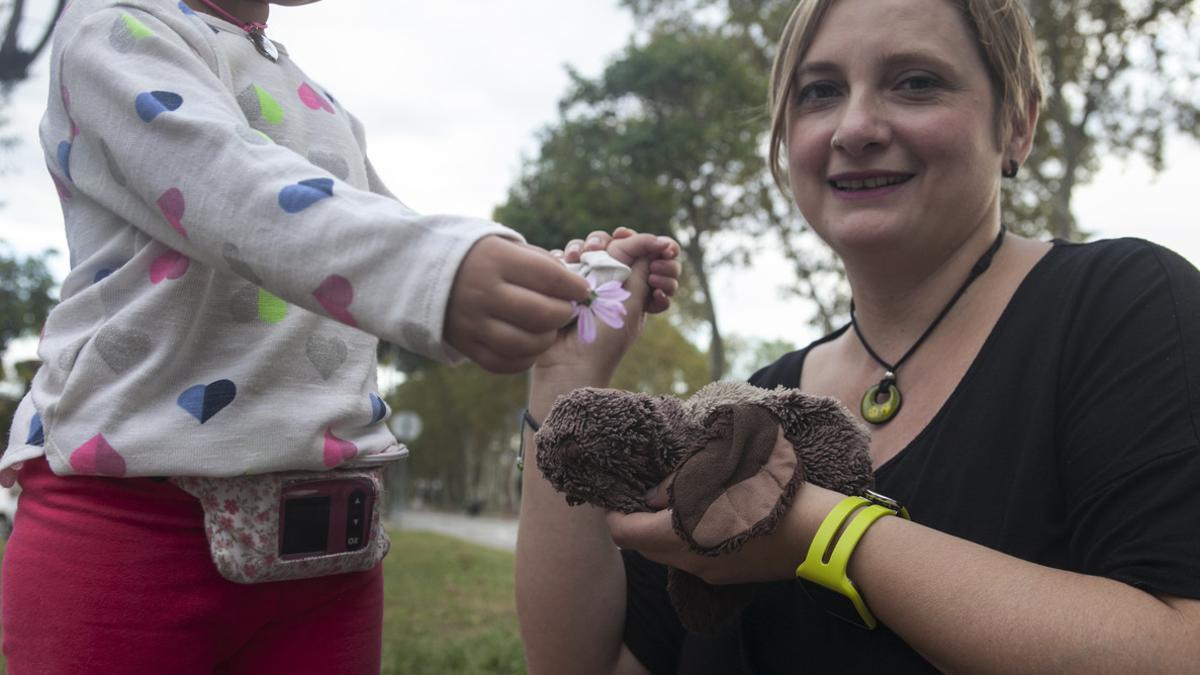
{"points": [[769, 557]]}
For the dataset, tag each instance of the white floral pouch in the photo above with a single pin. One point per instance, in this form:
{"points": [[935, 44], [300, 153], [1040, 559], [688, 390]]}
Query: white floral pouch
{"points": [[292, 525]]}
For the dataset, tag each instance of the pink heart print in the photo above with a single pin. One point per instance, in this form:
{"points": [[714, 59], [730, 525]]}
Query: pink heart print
{"points": [[170, 264], [315, 101], [337, 450], [335, 294], [98, 458], [171, 204]]}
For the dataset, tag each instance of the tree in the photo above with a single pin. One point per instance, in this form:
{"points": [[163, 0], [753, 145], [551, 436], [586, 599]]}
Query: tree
{"points": [[667, 138], [1120, 76], [15, 59], [26, 296]]}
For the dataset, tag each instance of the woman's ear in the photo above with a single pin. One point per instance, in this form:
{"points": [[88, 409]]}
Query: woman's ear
{"points": [[1020, 138]]}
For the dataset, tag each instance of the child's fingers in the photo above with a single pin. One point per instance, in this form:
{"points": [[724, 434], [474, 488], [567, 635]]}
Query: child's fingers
{"points": [[623, 232], [597, 240], [572, 250], [638, 246], [541, 273], [670, 248], [528, 309], [494, 362]]}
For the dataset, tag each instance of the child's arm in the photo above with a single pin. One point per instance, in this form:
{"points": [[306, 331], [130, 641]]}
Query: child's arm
{"points": [[158, 139]]}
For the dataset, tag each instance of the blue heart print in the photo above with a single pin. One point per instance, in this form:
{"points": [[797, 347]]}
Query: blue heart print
{"points": [[295, 198], [37, 435], [378, 409], [202, 401], [185, 9], [151, 104], [64, 158]]}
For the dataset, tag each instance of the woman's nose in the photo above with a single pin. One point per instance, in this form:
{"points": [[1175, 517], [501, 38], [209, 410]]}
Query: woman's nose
{"points": [[862, 127]]}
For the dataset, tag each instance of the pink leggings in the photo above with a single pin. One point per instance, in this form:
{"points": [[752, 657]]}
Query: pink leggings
{"points": [[105, 575]]}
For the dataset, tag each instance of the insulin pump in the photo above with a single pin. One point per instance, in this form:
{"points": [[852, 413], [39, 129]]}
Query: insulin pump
{"points": [[324, 517]]}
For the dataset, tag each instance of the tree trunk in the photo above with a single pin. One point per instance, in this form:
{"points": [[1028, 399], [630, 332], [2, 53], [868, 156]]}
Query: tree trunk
{"points": [[716, 347], [14, 63]]}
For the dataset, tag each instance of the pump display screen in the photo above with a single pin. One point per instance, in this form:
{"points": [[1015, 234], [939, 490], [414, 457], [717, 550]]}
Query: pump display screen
{"points": [[306, 525]]}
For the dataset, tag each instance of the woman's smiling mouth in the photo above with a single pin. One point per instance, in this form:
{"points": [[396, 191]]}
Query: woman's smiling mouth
{"points": [[860, 185]]}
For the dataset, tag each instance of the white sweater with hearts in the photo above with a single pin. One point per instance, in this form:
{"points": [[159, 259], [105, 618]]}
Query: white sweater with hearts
{"points": [[234, 259]]}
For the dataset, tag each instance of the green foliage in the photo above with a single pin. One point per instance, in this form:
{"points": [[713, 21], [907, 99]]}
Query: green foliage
{"points": [[469, 424], [747, 355], [665, 140], [662, 361], [26, 294]]}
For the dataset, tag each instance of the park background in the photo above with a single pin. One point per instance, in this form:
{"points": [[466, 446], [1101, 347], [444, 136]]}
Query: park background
{"points": [[562, 116]]}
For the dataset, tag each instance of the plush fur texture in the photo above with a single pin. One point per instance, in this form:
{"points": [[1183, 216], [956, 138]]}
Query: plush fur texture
{"points": [[609, 448]]}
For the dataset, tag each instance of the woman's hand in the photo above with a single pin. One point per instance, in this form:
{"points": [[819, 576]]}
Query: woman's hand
{"points": [[651, 285], [765, 558]]}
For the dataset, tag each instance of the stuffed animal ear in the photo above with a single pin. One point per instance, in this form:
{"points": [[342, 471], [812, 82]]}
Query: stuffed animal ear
{"points": [[738, 485]]}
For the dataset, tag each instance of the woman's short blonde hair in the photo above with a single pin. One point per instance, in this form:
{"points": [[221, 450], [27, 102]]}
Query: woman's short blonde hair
{"points": [[1001, 29]]}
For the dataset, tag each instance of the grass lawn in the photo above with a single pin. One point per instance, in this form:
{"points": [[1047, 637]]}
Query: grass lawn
{"points": [[449, 608]]}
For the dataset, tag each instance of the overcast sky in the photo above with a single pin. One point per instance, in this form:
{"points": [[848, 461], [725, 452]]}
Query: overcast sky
{"points": [[452, 93]]}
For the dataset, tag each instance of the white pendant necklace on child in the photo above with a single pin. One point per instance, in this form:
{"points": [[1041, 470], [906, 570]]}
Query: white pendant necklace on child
{"points": [[255, 30]]}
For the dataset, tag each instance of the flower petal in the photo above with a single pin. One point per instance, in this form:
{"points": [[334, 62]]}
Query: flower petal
{"points": [[609, 312], [587, 326], [615, 292]]}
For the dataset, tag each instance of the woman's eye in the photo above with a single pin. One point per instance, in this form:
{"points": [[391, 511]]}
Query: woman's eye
{"points": [[816, 92], [919, 83]]}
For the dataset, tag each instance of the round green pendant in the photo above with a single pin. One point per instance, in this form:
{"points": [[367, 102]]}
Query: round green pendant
{"points": [[877, 413]]}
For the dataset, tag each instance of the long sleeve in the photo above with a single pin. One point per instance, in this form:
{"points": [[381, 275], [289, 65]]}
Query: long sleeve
{"points": [[234, 257]]}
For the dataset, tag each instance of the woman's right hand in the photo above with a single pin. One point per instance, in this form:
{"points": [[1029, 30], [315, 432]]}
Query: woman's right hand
{"points": [[654, 279]]}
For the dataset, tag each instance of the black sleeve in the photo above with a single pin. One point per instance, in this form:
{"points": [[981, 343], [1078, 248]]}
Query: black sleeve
{"points": [[652, 629], [785, 371], [1129, 391]]}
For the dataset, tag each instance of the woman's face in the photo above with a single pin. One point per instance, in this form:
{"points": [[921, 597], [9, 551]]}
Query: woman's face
{"points": [[891, 132]]}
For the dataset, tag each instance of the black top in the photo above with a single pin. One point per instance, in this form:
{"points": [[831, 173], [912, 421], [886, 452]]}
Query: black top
{"points": [[1072, 441]]}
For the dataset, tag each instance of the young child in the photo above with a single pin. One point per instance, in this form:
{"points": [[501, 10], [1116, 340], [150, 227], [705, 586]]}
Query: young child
{"points": [[234, 261]]}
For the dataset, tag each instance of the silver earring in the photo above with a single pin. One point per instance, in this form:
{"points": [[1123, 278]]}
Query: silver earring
{"points": [[834, 143]]}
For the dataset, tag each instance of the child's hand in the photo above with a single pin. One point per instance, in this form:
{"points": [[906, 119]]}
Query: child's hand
{"points": [[627, 245], [508, 302]]}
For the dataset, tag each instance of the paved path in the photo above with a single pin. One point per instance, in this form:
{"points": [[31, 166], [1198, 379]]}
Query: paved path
{"points": [[499, 533]]}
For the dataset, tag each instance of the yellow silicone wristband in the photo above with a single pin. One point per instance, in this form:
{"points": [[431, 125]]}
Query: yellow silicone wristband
{"points": [[831, 574]]}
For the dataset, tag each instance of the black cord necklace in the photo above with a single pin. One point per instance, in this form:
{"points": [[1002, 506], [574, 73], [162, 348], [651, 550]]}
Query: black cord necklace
{"points": [[878, 412]]}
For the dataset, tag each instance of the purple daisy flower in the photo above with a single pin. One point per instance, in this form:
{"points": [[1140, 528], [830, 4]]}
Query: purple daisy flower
{"points": [[606, 304]]}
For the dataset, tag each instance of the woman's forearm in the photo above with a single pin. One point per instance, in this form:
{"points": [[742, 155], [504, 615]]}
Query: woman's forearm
{"points": [[570, 579], [971, 609]]}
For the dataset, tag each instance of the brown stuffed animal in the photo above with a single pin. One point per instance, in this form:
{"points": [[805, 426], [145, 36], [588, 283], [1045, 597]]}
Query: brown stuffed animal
{"points": [[609, 448]]}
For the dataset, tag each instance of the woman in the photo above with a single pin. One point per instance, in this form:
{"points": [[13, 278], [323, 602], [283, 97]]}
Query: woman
{"points": [[1036, 408]]}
